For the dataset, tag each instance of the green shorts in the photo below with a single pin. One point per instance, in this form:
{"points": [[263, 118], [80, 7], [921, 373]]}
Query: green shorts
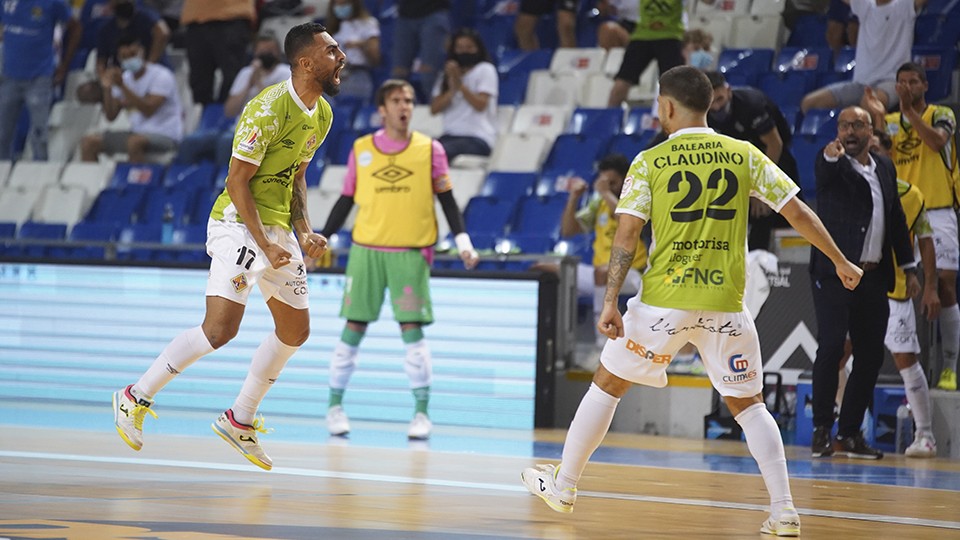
{"points": [[370, 272]]}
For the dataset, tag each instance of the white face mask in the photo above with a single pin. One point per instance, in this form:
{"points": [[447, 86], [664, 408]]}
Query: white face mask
{"points": [[133, 64]]}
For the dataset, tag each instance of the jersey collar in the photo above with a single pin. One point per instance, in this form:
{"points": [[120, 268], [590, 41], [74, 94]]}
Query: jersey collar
{"points": [[296, 98], [684, 131]]}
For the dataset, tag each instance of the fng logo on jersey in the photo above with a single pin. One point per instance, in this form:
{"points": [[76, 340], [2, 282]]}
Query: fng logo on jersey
{"points": [[695, 276], [738, 364]]}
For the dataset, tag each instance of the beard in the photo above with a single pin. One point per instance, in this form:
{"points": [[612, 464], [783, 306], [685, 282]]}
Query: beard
{"points": [[330, 87]]}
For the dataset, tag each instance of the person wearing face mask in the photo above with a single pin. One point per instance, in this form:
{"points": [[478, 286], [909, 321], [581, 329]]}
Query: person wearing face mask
{"points": [[268, 67], [128, 18], [467, 97], [149, 93], [358, 34], [748, 114]]}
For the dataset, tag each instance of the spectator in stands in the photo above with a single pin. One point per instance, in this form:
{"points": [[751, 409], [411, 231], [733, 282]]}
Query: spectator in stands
{"points": [[268, 67], [421, 33], [858, 202], [884, 40], [748, 114], [696, 48], [925, 154], [525, 27], [658, 35], [358, 34], [216, 38], [141, 22], [30, 70], [597, 216], [170, 11], [621, 19], [93, 15], [467, 97], [393, 238], [148, 92], [842, 26]]}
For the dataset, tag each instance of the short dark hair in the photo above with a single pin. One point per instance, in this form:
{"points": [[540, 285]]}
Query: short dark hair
{"points": [[614, 162], [885, 141], [914, 67], [717, 80], [128, 38], [299, 38], [389, 86], [689, 86]]}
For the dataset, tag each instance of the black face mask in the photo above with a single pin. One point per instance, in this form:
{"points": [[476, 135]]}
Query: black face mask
{"points": [[467, 59], [268, 60], [124, 10]]}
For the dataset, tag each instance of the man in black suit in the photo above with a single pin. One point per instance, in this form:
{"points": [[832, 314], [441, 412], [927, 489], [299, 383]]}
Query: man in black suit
{"points": [[858, 203]]}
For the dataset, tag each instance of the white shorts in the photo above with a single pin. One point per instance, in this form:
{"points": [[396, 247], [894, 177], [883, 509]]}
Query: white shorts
{"points": [[944, 224], [902, 328], [237, 265], [728, 345]]}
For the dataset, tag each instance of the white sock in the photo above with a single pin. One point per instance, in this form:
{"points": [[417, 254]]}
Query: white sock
{"points": [[599, 292], [766, 447], [178, 355], [418, 364], [950, 335], [586, 432], [268, 362], [918, 395]]}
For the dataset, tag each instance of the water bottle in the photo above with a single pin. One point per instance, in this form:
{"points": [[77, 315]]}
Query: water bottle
{"points": [[904, 427], [166, 228]]}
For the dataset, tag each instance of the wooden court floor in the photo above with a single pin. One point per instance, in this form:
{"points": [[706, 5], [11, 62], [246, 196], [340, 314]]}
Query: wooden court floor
{"points": [[86, 484]]}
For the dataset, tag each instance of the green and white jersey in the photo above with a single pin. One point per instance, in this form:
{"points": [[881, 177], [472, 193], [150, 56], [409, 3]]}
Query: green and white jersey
{"points": [[694, 189], [278, 133]]}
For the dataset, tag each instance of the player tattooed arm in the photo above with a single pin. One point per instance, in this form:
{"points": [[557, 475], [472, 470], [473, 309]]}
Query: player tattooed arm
{"points": [[624, 248]]}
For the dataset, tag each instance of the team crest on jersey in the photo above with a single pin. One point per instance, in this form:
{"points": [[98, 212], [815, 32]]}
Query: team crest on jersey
{"points": [[239, 282], [365, 158], [312, 141], [250, 140]]}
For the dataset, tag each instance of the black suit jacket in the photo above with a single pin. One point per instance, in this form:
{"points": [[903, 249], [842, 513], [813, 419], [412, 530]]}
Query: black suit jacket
{"points": [[845, 206]]}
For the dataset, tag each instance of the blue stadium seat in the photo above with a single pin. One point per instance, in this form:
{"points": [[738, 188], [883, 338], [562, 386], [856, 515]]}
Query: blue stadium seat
{"points": [[315, 168], [212, 118], [513, 89], [805, 150], [791, 113], [517, 62], [820, 122], [139, 233], [191, 177], [31, 230], [750, 63], [938, 63], [340, 148], [486, 219], [179, 201], [576, 151], [809, 31], [630, 145], [508, 186], [91, 232], [182, 236], [787, 89], [142, 174], [496, 30], [343, 116], [818, 59], [220, 178], [531, 243], [555, 180], [604, 122], [366, 120], [8, 229], [202, 206], [845, 61], [579, 245], [117, 205], [633, 121], [936, 30], [540, 216]]}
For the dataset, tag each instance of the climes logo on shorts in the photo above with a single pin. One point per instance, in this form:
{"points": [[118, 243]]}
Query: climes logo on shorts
{"points": [[738, 364], [643, 352]]}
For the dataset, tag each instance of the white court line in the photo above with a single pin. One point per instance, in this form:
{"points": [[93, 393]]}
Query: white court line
{"points": [[435, 482]]}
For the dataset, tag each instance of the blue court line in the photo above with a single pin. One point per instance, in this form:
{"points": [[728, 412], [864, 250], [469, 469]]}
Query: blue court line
{"points": [[487, 486]]}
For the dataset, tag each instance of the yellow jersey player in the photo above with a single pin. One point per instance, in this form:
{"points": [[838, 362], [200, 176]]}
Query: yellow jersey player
{"points": [[695, 190]]}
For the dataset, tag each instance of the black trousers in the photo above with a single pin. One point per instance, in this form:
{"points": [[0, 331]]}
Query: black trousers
{"points": [[864, 313], [216, 45]]}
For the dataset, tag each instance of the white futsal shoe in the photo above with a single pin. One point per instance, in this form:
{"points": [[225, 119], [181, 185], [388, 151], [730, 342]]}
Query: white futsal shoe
{"points": [[337, 422], [923, 447], [788, 524], [243, 438], [542, 482], [420, 427], [128, 413]]}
